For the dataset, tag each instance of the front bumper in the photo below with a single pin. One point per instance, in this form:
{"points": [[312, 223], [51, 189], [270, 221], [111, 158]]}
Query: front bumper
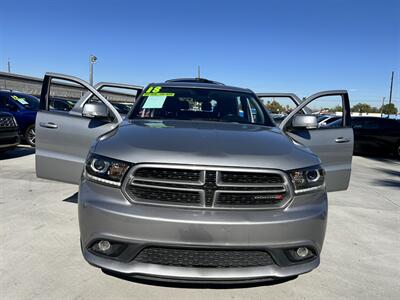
{"points": [[104, 213], [9, 138]]}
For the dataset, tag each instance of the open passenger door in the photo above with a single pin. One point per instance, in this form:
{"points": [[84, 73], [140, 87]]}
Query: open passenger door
{"points": [[333, 145], [63, 138]]}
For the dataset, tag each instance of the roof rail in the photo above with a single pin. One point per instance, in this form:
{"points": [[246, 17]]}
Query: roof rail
{"points": [[200, 80]]}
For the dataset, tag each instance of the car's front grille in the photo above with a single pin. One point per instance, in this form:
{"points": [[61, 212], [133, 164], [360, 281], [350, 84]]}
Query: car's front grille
{"points": [[158, 195], [207, 187], [7, 122], [248, 199], [168, 174], [250, 178], [204, 258]]}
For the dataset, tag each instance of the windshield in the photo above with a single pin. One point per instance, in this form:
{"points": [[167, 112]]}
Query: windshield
{"points": [[27, 101], [160, 102]]}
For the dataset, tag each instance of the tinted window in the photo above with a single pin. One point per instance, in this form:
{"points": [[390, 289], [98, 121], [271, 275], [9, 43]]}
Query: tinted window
{"points": [[3, 101], [357, 122], [388, 124], [365, 123], [61, 104], [200, 104]]}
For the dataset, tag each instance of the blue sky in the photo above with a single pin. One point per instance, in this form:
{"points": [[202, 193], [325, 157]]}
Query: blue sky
{"points": [[283, 46]]}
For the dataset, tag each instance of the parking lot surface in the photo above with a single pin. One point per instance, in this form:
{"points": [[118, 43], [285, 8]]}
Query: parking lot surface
{"points": [[40, 253]]}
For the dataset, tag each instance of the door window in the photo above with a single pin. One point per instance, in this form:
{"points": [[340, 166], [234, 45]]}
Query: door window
{"points": [[278, 105], [63, 95], [328, 110], [370, 124], [388, 124], [357, 123]]}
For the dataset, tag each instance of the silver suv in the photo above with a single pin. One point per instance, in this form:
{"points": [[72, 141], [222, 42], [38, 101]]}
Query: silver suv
{"points": [[197, 183]]}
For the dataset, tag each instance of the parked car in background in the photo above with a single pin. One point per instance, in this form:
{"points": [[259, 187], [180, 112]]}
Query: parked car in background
{"points": [[374, 135], [24, 108], [9, 137], [325, 120]]}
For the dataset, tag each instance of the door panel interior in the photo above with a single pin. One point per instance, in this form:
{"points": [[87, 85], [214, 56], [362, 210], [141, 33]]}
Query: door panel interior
{"points": [[62, 150], [63, 138]]}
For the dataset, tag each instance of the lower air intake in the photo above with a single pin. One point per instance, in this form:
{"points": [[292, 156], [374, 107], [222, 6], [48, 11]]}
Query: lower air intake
{"points": [[204, 258]]}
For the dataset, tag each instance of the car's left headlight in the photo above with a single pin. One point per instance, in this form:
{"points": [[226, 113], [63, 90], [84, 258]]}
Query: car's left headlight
{"points": [[105, 170], [308, 179]]}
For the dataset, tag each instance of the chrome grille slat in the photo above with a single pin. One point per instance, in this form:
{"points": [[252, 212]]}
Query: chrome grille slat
{"points": [[7, 122], [213, 192]]}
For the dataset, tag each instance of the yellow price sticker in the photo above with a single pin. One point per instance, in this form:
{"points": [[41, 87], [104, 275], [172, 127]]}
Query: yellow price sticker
{"points": [[155, 91], [159, 94]]}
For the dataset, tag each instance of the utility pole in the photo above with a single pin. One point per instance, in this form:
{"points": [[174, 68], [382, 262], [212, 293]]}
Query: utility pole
{"points": [[383, 103], [198, 71], [92, 61], [391, 88], [9, 65]]}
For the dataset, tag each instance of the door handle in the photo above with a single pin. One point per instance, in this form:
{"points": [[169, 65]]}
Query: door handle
{"points": [[50, 125], [341, 139]]}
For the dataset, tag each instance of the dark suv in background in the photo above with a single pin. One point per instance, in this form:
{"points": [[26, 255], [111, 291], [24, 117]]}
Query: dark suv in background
{"points": [[9, 138], [374, 135], [24, 108]]}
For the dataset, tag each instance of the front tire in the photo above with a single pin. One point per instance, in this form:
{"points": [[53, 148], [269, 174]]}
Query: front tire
{"points": [[30, 135]]}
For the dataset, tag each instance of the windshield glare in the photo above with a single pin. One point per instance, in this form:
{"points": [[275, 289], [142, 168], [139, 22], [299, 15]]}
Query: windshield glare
{"points": [[199, 104]]}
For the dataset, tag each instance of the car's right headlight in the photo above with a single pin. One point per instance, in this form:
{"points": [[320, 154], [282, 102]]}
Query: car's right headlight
{"points": [[105, 170], [308, 179]]}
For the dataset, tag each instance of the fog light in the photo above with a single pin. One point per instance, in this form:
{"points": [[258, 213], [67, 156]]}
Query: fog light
{"points": [[107, 248], [302, 252], [104, 246]]}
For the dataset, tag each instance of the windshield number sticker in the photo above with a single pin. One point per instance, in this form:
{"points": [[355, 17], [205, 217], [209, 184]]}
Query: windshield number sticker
{"points": [[20, 100], [155, 91]]}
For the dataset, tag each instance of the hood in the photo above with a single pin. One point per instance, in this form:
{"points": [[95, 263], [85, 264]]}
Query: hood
{"points": [[204, 143]]}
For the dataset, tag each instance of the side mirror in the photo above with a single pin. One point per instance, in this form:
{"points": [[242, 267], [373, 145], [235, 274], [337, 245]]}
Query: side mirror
{"points": [[305, 121], [95, 110]]}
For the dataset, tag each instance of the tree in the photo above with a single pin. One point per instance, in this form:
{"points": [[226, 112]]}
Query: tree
{"points": [[375, 110], [361, 108], [389, 109], [337, 108], [274, 107]]}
